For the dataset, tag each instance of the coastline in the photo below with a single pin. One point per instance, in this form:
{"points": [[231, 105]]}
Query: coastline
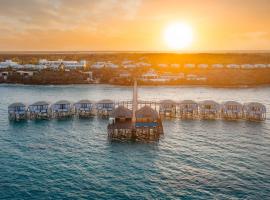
{"points": [[147, 85]]}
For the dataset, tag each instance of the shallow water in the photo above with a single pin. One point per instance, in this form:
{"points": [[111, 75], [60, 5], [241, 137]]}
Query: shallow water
{"points": [[73, 158]]}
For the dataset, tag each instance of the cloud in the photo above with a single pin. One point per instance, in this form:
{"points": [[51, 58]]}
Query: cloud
{"points": [[22, 15]]}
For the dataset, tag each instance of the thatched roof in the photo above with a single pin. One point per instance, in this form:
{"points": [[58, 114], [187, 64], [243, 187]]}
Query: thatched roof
{"points": [[122, 112], [147, 112], [17, 104], [188, 102], [255, 105], [85, 101], [40, 103], [167, 102], [227, 103], [209, 102], [62, 102], [105, 101]]}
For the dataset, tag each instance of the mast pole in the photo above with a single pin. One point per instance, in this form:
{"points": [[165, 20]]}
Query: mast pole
{"points": [[135, 101]]}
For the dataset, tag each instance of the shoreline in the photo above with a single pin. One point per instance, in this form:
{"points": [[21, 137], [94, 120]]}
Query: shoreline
{"points": [[147, 85]]}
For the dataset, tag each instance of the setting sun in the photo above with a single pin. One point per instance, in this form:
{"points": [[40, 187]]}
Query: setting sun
{"points": [[178, 36]]}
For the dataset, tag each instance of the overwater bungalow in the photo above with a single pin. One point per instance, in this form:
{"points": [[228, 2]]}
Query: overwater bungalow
{"points": [[188, 109], [148, 124], [121, 126], [167, 108], [105, 107], [62, 109], [254, 111], [85, 108], [17, 112], [40, 110], [209, 109], [231, 110]]}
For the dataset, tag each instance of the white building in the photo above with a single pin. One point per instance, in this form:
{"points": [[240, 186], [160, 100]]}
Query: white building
{"points": [[191, 77], [126, 62], [202, 66], [233, 66], [68, 64], [130, 66], [98, 65], [124, 74], [174, 65], [260, 66], [4, 75], [151, 74], [189, 66], [102, 64], [217, 66], [247, 66], [111, 65], [26, 73], [37, 67], [143, 64], [10, 63], [168, 76], [163, 65]]}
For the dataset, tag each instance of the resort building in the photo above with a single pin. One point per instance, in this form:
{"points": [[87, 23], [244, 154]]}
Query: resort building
{"points": [[143, 64], [150, 75], [35, 67], [10, 63], [188, 109], [85, 108], [232, 110], [4, 75], [17, 112], [175, 65], [62, 109], [254, 111], [217, 66], [191, 77], [121, 127], [262, 66], [111, 65], [247, 66], [105, 108], [124, 74], [26, 74], [209, 109], [139, 125], [98, 65], [189, 66], [55, 64], [167, 108], [40, 110], [233, 66], [148, 124], [202, 66], [162, 65]]}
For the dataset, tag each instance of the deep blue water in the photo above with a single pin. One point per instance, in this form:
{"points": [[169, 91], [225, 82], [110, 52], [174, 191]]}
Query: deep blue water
{"points": [[73, 159]]}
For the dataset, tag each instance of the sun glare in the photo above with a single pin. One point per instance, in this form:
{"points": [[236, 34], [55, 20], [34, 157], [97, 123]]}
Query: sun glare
{"points": [[178, 36]]}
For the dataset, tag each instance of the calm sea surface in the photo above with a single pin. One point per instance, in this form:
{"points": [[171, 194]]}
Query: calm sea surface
{"points": [[73, 159]]}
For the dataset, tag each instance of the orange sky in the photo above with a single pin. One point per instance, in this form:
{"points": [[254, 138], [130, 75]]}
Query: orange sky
{"points": [[124, 25]]}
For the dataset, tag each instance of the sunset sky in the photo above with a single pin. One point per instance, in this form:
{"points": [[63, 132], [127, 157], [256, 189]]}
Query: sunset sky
{"points": [[122, 25]]}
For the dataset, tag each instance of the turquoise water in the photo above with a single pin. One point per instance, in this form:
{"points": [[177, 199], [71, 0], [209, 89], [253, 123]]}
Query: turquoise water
{"points": [[74, 160]]}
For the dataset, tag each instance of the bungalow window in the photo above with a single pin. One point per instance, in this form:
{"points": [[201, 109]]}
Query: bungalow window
{"points": [[84, 105], [62, 106], [207, 107]]}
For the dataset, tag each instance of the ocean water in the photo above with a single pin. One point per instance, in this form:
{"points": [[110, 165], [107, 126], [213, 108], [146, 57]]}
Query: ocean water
{"points": [[73, 159]]}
